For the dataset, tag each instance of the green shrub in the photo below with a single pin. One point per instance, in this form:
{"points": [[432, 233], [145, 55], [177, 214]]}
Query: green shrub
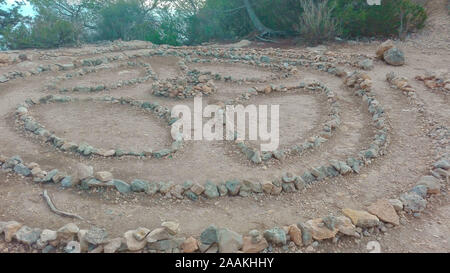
{"points": [[392, 17], [316, 22]]}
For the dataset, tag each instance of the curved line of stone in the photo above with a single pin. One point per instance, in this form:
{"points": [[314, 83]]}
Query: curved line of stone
{"points": [[29, 124], [149, 74]]}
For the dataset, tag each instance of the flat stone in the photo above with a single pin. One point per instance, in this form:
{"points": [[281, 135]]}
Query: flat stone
{"points": [[442, 164], [158, 234], [385, 212], [229, 241], [361, 219], [22, 170], [83, 171], [48, 235], [103, 176], [319, 230], [249, 246], [396, 204]]}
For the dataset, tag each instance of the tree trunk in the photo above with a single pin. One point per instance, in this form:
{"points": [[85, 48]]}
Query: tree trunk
{"points": [[255, 20]]}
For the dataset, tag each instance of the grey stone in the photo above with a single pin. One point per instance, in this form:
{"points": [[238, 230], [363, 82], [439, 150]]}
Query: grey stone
{"points": [[22, 170], [366, 64], [122, 186], [209, 236], [49, 177], [27, 235], [211, 190], [412, 202], [139, 186], [442, 164], [229, 241], [420, 190], [276, 236], [233, 187], [96, 236], [394, 56], [67, 182]]}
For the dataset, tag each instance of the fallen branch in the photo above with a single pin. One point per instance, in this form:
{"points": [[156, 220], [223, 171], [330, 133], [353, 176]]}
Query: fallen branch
{"points": [[57, 211]]}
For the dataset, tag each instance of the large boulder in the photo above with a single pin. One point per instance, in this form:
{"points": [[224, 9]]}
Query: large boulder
{"points": [[383, 48]]}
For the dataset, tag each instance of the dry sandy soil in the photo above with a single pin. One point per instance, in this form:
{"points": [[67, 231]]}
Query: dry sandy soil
{"points": [[409, 155]]}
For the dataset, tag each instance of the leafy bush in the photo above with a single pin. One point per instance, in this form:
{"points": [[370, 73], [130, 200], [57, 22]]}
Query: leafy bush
{"points": [[316, 22], [44, 32], [392, 17]]}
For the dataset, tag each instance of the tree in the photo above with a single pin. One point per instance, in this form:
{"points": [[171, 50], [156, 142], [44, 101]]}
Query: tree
{"points": [[10, 17]]}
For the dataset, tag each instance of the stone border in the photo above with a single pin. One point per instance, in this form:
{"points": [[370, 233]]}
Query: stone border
{"points": [[149, 74], [355, 223], [23, 117]]}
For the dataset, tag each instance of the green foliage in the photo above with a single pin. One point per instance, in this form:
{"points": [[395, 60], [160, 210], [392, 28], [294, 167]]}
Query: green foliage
{"points": [[44, 32], [392, 17]]}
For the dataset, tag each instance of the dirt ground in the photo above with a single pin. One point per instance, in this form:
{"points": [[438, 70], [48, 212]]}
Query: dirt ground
{"points": [[409, 155]]}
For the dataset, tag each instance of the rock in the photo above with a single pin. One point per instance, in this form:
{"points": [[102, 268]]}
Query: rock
{"points": [[141, 234], [233, 187], [165, 188], [158, 234], [73, 248], [10, 229], [27, 235], [346, 227], [420, 190], [250, 246], [396, 204], [319, 231], [267, 187], [296, 235], [122, 186], [413, 203], [209, 236], [385, 212], [131, 242], [113, 246], [103, 176], [153, 188], [197, 189], [171, 227], [361, 219], [276, 236], [84, 245], [177, 191], [22, 170], [83, 171], [49, 177], [394, 56], [48, 235], [166, 245], [140, 186], [68, 232], [211, 190], [229, 241], [255, 187], [383, 48], [190, 245], [366, 64], [431, 183], [442, 164], [96, 236]]}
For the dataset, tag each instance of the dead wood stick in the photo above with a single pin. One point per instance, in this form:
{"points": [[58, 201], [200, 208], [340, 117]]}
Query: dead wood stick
{"points": [[57, 211]]}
